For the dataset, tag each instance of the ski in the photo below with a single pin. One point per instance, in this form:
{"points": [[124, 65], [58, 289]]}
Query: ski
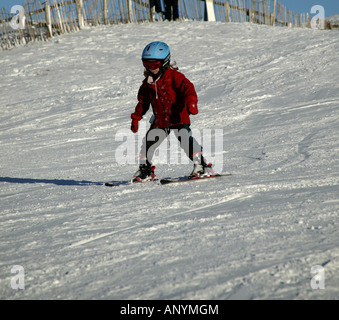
{"points": [[111, 184], [187, 179], [165, 181]]}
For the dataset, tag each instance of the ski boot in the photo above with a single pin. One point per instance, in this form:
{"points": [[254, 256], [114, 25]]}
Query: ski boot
{"points": [[144, 173], [201, 168]]}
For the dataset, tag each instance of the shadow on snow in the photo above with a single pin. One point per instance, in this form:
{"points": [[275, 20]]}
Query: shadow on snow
{"points": [[59, 182]]}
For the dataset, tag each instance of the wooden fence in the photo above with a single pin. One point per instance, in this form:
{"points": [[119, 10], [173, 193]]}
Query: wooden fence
{"points": [[259, 11], [43, 19]]}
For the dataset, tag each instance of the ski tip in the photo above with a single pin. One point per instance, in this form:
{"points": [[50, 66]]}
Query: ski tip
{"points": [[109, 184], [165, 181]]}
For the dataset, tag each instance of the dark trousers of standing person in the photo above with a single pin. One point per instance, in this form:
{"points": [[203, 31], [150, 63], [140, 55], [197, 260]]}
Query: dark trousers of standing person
{"points": [[157, 5], [168, 12]]}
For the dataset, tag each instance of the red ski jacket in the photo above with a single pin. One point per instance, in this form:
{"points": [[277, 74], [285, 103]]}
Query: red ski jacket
{"points": [[172, 96]]}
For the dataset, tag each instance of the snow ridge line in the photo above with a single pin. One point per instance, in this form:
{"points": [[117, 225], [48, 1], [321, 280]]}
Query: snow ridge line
{"points": [[159, 222]]}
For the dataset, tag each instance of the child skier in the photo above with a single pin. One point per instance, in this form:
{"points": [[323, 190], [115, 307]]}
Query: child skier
{"points": [[173, 99]]}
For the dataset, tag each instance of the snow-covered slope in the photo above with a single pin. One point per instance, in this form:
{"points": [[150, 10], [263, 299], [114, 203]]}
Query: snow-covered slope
{"points": [[274, 92]]}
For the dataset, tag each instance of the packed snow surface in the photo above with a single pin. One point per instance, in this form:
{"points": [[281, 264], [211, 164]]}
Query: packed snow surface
{"points": [[274, 94]]}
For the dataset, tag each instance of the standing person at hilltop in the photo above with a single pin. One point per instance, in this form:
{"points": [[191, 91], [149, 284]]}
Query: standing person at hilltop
{"points": [[156, 7], [169, 4]]}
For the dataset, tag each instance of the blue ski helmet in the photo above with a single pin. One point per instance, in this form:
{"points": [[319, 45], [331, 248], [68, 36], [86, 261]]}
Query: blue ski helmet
{"points": [[157, 51]]}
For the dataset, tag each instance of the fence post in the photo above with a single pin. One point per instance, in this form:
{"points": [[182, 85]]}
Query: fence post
{"points": [[150, 12], [274, 13], [61, 26], [105, 12], [254, 9], [228, 13], [48, 20], [79, 6], [210, 10], [129, 10]]}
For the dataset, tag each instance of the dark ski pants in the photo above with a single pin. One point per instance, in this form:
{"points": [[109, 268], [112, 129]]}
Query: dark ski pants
{"points": [[157, 5], [155, 136], [168, 9]]}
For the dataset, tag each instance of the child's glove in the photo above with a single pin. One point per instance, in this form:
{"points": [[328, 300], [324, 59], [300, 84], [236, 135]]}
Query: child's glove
{"points": [[192, 107], [135, 122]]}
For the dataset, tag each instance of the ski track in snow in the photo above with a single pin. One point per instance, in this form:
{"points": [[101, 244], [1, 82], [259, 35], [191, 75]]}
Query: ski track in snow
{"points": [[253, 235]]}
